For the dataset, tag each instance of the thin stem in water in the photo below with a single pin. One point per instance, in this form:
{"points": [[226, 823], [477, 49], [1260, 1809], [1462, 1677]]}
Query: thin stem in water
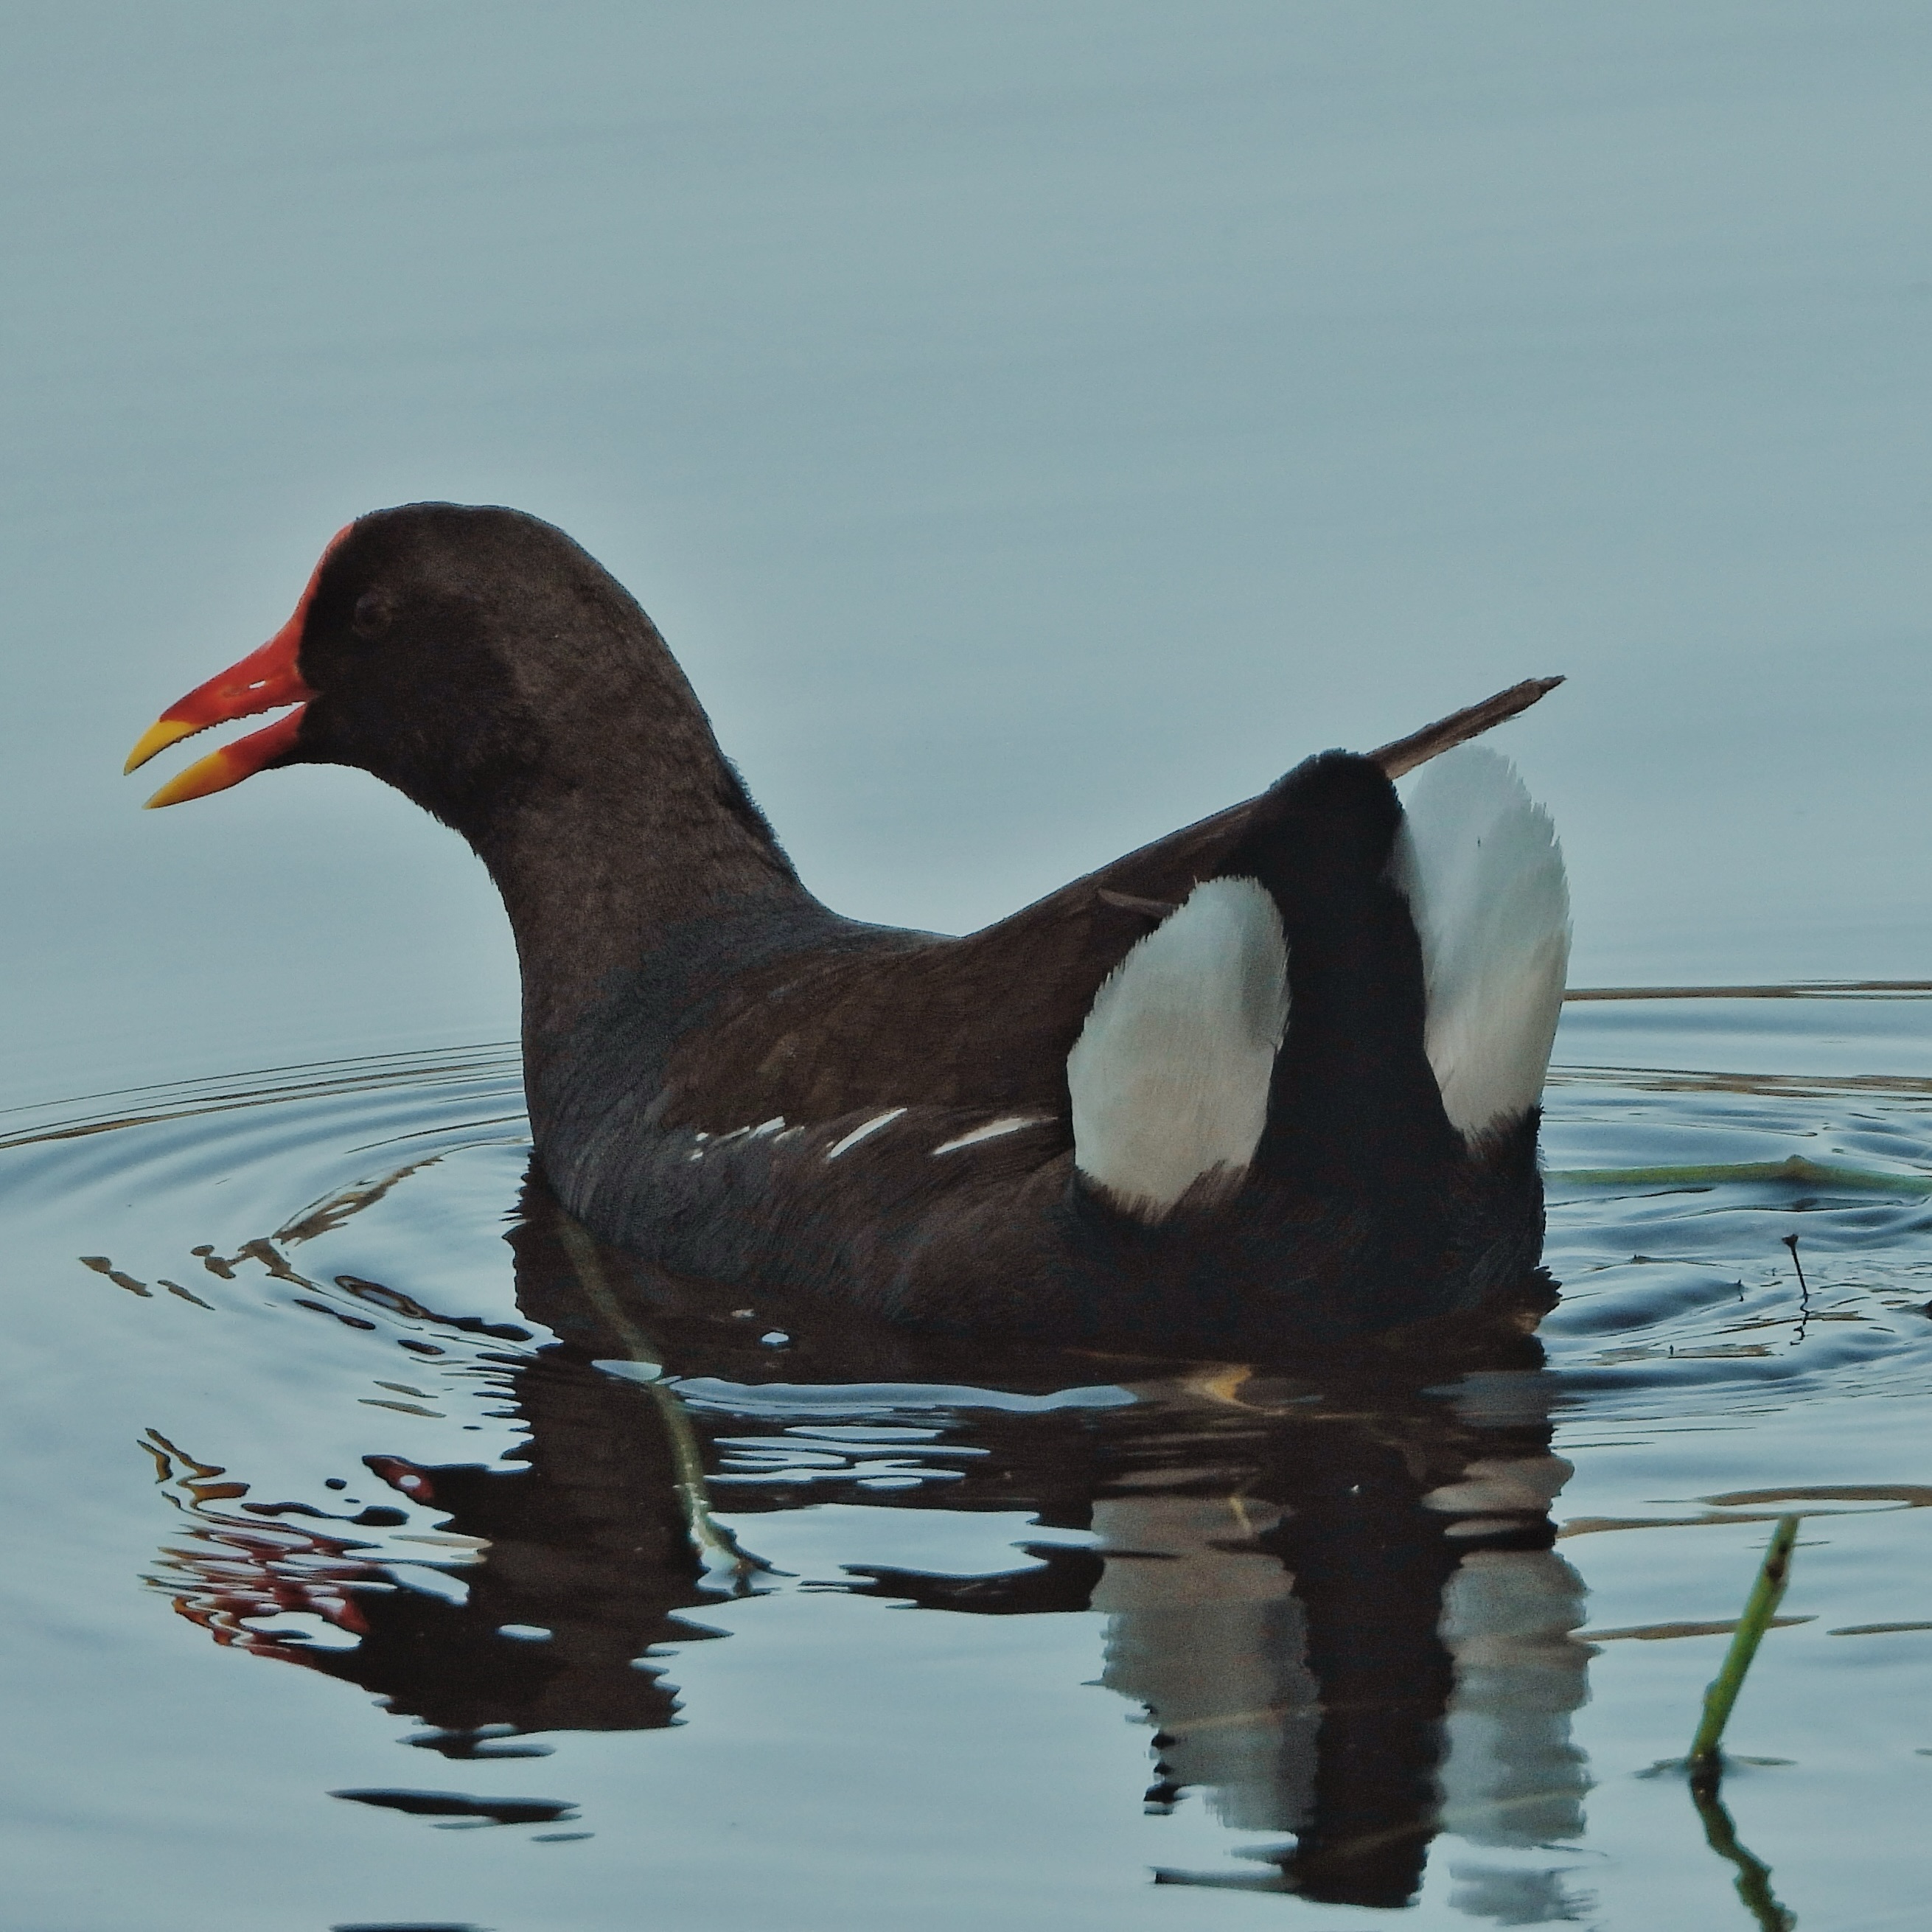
{"points": [[717, 1548], [1753, 1874], [1767, 1591]]}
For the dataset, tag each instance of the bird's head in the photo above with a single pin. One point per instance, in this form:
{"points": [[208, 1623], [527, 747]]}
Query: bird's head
{"points": [[455, 652]]}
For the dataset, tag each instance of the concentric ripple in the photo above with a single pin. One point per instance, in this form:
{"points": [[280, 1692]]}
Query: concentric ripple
{"points": [[316, 1368]]}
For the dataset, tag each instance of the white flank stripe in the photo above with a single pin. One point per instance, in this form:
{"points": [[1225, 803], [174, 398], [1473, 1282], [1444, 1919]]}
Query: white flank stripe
{"points": [[1011, 1124], [1483, 873], [757, 1133], [859, 1133], [1169, 1078]]}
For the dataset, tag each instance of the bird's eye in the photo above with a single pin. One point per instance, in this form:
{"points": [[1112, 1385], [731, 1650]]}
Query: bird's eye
{"points": [[372, 614]]}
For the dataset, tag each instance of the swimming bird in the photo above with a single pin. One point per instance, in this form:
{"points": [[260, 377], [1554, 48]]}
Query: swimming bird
{"points": [[1271, 1081]]}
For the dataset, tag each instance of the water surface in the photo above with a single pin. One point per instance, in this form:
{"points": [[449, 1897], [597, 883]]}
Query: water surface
{"points": [[382, 1557]]}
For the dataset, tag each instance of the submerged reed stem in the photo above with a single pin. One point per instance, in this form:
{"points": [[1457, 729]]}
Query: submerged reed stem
{"points": [[1753, 1879], [1774, 1573], [717, 1548]]}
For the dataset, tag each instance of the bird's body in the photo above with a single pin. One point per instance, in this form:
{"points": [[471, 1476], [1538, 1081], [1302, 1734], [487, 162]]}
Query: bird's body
{"points": [[1270, 1082]]}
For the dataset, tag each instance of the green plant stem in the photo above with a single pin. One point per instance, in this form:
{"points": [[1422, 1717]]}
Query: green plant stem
{"points": [[1753, 1874], [717, 1548], [1795, 1170], [1759, 1607]]}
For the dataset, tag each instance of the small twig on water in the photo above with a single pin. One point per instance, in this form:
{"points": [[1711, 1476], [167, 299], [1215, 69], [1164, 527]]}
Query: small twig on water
{"points": [[1804, 1289], [1774, 1573]]}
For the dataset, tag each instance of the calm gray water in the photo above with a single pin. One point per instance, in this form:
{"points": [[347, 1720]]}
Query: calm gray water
{"points": [[369, 1570], [1034, 428]]}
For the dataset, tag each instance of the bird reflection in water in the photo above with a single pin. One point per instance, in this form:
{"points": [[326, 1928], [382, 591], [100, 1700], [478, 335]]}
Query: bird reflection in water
{"points": [[1332, 1592]]}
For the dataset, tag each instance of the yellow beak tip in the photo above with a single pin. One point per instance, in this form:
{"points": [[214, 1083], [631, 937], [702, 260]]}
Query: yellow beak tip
{"points": [[158, 737], [212, 773]]}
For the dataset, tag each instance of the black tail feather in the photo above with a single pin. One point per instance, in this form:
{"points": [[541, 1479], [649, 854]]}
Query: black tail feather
{"points": [[1354, 1101]]}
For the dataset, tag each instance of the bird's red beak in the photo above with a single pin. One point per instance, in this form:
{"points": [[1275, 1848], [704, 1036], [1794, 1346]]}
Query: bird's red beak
{"points": [[264, 680]]}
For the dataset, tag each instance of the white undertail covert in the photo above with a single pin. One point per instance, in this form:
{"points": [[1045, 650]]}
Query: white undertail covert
{"points": [[1483, 874], [1169, 1078]]}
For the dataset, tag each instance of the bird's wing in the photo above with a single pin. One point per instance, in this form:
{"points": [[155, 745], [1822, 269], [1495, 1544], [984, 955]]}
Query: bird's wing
{"points": [[986, 1021]]}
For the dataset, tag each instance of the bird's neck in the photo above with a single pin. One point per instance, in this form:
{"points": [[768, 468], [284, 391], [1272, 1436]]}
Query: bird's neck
{"points": [[639, 871]]}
